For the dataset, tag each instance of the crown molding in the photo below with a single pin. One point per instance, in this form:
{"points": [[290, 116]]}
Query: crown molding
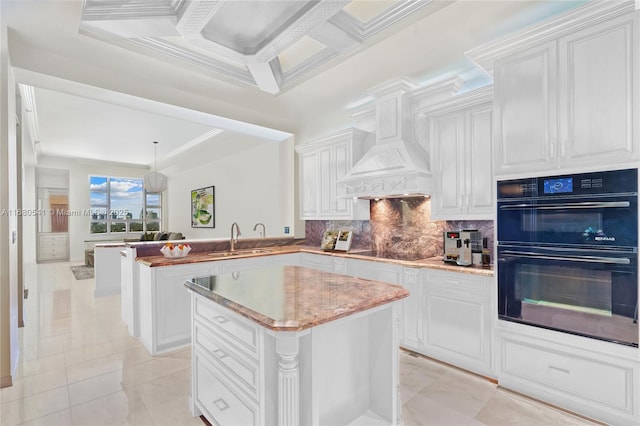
{"points": [[94, 10], [572, 21]]}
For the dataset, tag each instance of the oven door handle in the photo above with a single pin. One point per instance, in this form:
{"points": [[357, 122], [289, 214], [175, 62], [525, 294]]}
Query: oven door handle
{"points": [[582, 205], [589, 259]]}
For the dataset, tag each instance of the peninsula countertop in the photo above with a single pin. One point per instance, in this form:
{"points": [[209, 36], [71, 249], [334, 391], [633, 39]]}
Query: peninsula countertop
{"points": [[431, 263], [294, 298]]}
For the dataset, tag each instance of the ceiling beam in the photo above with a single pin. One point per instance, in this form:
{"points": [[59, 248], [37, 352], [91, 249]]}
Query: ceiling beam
{"points": [[265, 77]]}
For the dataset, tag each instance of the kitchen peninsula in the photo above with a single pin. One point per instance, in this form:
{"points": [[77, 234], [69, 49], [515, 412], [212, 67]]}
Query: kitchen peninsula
{"points": [[291, 345]]}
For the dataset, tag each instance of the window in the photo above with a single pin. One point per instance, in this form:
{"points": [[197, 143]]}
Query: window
{"points": [[121, 205]]}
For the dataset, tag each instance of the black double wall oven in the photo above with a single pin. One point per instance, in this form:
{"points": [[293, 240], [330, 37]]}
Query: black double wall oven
{"points": [[567, 253]]}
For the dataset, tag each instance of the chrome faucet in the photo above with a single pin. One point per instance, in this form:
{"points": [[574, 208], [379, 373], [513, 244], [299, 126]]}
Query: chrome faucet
{"points": [[263, 233], [234, 241]]}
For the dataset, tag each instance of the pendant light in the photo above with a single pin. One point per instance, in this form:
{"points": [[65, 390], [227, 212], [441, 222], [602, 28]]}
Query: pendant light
{"points": [[154, 181]]}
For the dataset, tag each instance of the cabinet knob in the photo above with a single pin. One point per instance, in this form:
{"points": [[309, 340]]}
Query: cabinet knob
{"points": [[221, 404], [220, 353], [220, 319]]}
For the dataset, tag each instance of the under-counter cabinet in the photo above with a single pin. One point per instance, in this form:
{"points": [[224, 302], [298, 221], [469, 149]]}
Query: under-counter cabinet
{"points": [[322, 163], [598, 379], [164, 305], [461, 141], [298, 366], [449, 316], [567, 93]]}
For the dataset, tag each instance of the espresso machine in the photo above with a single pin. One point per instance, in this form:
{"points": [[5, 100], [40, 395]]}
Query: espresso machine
{"points": [[460, 245]]}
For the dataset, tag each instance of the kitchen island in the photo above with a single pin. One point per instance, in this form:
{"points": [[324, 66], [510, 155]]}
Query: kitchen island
{"points": [[289, 345]]}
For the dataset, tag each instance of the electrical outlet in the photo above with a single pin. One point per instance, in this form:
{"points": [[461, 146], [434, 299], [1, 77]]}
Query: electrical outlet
{"points": [[286, 230]]}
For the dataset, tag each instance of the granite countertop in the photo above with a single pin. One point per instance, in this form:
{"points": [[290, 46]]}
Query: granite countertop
{"points": [[293, 298], [432, 263]]}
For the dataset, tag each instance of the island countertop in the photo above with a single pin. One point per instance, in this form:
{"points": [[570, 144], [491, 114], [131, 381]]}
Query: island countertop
{"points": [[293, 298]]}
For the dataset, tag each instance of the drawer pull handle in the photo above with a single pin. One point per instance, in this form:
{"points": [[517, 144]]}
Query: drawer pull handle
{"points": [[220, 353], [221, 404], [562, 370], [220, 319]]}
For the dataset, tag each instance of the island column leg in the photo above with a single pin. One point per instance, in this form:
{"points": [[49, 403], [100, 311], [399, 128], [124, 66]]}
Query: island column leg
{"points": [[287, 348]]}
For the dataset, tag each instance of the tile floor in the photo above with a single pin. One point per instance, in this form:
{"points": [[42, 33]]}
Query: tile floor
{"points": [[79, 366]]}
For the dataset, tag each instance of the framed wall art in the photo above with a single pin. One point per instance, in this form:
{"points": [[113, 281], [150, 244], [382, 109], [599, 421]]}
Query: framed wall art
{"points": [[203, 213]]}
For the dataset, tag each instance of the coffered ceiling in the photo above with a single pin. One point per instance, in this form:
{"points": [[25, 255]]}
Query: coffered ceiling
{"points": [[229, 71], [271, 45]]}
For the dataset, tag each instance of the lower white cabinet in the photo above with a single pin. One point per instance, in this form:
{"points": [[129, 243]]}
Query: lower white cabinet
{"points": [[107, 269], [379, 271], [411, 318], [317, 261], [458, 320], [596, 379], [338, 373], [53, 247], [449, 316], [165, 307]]}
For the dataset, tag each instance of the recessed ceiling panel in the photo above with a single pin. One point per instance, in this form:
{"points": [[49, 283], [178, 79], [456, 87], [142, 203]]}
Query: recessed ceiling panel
{"points": [[300, 51], [366, 10], [247, 26]]}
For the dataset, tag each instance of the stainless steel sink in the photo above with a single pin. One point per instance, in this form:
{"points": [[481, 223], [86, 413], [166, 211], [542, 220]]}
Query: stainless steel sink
{"points": [[242, 252]]}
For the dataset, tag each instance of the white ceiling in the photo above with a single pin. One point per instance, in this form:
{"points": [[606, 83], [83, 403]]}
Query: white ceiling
{"points": [[106, 89]]}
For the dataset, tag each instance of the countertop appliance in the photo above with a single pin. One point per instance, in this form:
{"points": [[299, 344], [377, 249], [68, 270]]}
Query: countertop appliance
{"points": [[459, 246], [568, 253]]}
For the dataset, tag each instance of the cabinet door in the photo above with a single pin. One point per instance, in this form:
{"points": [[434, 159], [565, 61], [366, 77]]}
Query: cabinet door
{"points": [[458, 320], [479, 176], [411, 321], [448, 150], [598, 98], [172, 310], [341, 164], [525, 109], [308, 185], [326, 201]]}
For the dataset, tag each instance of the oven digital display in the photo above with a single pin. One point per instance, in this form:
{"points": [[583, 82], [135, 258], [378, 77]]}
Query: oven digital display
{"points": [[558, 186]]}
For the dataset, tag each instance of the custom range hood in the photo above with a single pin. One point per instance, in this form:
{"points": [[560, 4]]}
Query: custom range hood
{"points": [[396, 166]]}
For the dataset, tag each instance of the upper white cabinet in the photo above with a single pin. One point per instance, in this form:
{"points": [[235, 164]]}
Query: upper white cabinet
{"points": [[461, 140], [322, 162], [567, 92], [525, 110]]}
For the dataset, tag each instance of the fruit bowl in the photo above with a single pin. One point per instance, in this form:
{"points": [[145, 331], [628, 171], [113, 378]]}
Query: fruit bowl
{"points": [[175, 250]]}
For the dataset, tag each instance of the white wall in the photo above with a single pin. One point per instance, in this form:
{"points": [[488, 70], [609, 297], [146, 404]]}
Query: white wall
{"points": [[79, 172], [251, 186], [9, 348]]}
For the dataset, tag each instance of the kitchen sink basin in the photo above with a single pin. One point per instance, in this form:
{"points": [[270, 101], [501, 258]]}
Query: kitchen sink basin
{"points": [[242, 252]]}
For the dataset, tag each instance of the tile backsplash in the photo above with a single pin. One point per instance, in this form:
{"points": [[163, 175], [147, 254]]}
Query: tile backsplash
{"points": [[398, 226]]}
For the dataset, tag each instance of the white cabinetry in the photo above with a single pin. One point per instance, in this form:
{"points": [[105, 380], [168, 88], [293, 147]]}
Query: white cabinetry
{"points": [[572, 99], [379, 271], [461, 139], [449, 316], [227, 380], [322, 162], [53, 247], [164, 305], [411, 316], [317, 261], [341, 372], [458, 320], [597, 379], [107, 269]]}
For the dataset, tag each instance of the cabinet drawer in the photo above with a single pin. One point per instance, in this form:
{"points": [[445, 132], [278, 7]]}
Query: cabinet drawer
{"points": [[233, 329], [243, 371], [223, 405], [590, 379]]}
